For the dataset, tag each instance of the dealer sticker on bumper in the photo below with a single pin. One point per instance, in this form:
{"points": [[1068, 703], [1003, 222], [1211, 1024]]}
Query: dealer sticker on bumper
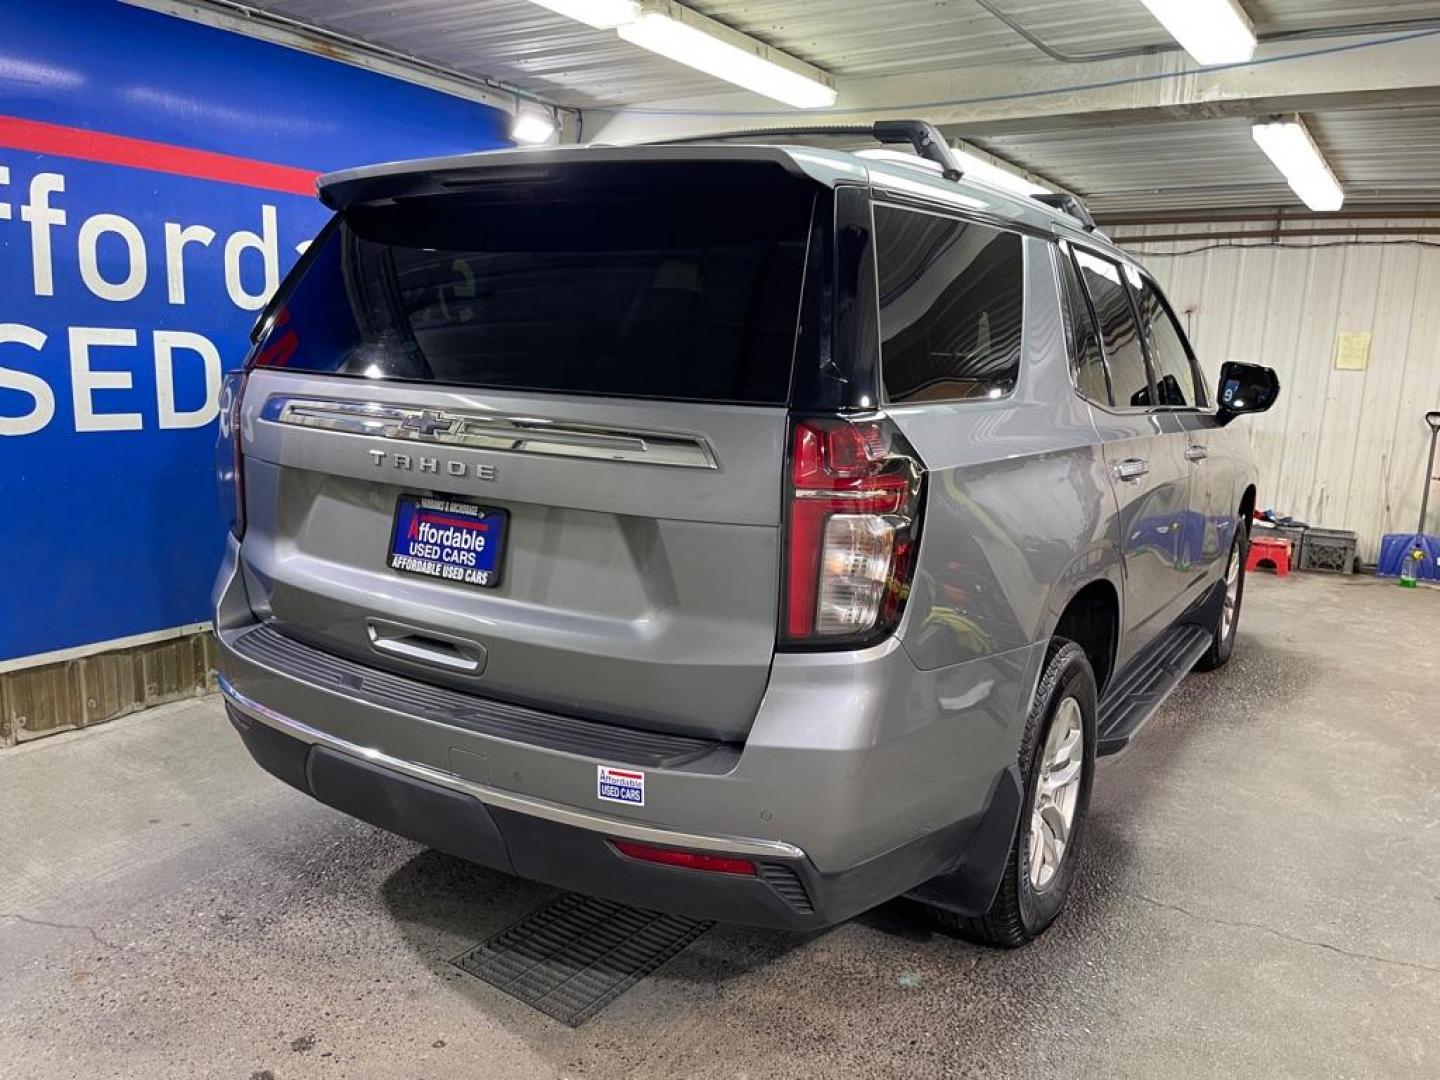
{"points": [[620, 785]]}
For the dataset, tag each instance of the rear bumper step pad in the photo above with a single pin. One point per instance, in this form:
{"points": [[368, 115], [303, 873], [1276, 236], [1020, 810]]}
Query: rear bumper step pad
{"points": [[270, 648]]}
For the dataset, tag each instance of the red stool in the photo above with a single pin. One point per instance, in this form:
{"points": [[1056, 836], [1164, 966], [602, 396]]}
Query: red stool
{"points": [[1272, 550]]}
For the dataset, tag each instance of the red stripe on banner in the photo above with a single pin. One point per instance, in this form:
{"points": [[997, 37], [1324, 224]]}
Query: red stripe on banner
{"points": [[73, 142]]}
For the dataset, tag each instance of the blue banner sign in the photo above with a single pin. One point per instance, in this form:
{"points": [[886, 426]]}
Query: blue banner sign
{"points": [[155, 184]]}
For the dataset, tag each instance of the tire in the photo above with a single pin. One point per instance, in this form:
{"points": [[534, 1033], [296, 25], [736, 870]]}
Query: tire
{"points": [[1028, 901], [1227, 614]]}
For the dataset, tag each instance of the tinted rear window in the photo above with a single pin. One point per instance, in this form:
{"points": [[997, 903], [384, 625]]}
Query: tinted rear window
{"points": [[664, 292], [951, 306]]}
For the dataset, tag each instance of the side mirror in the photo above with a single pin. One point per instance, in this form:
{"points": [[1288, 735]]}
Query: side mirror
{"points": [[1245, 388]]}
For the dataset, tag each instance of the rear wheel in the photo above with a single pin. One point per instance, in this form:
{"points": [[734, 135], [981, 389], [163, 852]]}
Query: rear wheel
{"points": [[1057, 765], [1227, 616]]}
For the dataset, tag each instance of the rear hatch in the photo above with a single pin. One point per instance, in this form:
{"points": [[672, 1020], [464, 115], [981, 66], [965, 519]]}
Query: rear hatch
{"points": [[526, 438]]}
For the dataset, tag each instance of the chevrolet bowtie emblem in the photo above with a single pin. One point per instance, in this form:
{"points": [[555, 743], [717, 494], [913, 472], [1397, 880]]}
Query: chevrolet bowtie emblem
{"points": [[428, 423]]}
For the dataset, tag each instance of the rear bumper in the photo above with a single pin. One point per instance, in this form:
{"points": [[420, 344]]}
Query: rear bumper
{"points": [[574, 851], [862, 778]]}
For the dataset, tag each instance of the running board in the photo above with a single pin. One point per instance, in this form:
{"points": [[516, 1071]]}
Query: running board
{"points": [[1145, 684]]}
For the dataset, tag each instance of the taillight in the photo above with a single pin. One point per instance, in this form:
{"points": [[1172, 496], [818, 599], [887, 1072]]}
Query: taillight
{"points": [[229, 453], [852, 527]]}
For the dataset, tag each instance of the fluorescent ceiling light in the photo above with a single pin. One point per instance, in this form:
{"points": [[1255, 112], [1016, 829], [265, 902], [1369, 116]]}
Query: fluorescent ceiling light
{"points": [[977, 168], [530, 126], [1288, 145], [691, 39], [601, 14], [1211, 31]]}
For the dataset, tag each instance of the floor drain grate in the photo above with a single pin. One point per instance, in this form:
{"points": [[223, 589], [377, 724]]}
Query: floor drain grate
{"points": [[577, 954]]}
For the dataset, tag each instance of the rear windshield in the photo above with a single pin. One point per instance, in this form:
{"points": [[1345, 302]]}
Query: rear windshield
{"points": [[651, 291]]}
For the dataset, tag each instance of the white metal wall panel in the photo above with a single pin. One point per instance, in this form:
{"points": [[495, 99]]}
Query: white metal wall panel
{"points": [[1340, 449]]}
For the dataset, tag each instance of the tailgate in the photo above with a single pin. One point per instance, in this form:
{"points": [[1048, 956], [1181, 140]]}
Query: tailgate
{"points": [[595, 378]]}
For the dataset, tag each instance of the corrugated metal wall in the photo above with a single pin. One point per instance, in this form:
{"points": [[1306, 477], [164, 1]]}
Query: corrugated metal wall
{"points": [[1341, 449]]}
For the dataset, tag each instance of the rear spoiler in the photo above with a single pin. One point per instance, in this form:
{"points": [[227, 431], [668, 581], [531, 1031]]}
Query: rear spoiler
{"points": [[457, 172]]}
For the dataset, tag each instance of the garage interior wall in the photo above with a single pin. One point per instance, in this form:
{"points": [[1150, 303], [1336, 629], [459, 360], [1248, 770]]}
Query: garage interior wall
{"points": [[1342, 449]]}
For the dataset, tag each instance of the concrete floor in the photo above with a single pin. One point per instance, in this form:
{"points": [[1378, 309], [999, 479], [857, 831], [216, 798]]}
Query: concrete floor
{"points": [[1260, 895]]}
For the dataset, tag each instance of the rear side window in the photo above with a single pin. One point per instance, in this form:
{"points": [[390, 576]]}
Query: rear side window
{"points": [[1124, 355], [951, 306], [666, 291], [1174, 378], [1088, 360]]}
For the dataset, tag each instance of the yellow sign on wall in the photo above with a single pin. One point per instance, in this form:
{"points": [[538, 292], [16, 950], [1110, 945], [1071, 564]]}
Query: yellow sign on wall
{"points": [[1352, 351]]}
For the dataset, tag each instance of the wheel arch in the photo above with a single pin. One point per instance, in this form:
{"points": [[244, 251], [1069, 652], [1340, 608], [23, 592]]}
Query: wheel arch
{"points": [[1091, 617], [1247, 506]]}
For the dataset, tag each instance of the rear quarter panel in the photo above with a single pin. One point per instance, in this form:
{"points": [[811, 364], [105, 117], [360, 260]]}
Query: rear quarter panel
{"points": [[1019, 517], [1019, 510]]}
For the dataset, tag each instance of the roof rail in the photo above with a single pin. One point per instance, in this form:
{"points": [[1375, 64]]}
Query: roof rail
{"points": [[1068, 204], [921, 135]]}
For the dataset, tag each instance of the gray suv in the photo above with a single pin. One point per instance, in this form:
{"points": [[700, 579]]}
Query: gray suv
{"points": [[742, 528]]}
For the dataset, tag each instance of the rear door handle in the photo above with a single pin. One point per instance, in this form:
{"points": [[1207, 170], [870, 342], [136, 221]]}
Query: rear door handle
{"points": [[1132, 468], [1196, 453]]}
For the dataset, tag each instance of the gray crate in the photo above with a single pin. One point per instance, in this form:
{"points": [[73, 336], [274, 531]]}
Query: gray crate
{"points": [[1296, 536], [1329, 551]]}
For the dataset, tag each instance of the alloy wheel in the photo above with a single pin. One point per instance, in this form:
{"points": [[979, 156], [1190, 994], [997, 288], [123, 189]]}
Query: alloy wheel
{"points": [[1057, 792], [1232, 593]]}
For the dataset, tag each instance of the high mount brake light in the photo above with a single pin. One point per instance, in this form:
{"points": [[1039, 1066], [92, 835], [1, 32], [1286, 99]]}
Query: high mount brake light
{"points": [[854, 498]]}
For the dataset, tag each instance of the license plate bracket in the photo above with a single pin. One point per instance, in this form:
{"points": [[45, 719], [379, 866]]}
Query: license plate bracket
{"points": [[448, 540]]}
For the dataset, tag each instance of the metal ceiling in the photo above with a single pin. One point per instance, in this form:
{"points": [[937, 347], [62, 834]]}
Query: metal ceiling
{"points": [[1160, 163], [570, 64], [1387, 155]]}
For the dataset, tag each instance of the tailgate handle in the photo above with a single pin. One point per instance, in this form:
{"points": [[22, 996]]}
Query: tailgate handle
{"points": [[425, 646]]}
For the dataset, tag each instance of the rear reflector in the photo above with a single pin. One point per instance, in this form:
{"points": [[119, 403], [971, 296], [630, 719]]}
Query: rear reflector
{"points": [[686, 860]]}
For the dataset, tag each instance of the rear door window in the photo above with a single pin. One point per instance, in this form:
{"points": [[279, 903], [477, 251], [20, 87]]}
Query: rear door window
{"points": [[1174, 376], [1086, 356], [952, 298], [1124, 353], [666, 291]]}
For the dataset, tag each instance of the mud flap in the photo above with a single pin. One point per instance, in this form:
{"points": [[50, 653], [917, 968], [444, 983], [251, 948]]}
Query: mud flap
{"points": [[970, 888]]}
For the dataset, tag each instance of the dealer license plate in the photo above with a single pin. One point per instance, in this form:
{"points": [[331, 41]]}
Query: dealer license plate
{"points": [[448, 540]]}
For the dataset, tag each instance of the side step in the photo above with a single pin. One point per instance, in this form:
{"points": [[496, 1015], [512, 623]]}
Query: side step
{"points": [[1144, 685]]}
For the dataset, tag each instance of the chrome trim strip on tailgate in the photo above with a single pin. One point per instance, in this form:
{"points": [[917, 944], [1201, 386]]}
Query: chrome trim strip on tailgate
{"points": [[506, 800], [487, 431]]}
